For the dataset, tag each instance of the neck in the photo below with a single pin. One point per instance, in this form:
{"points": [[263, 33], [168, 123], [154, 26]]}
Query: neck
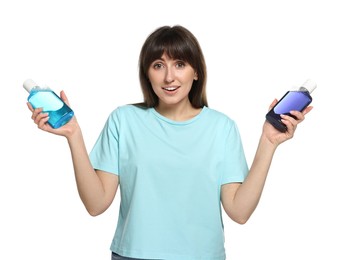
{"points": [[178, 112]]}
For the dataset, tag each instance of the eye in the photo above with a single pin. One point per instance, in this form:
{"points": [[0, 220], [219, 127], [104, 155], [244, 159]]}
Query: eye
{"points": [[157, 65], [180, 64]]}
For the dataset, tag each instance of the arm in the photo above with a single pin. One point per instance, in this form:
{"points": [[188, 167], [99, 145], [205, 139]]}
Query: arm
{"points": [[239, 200], [96, 189]]}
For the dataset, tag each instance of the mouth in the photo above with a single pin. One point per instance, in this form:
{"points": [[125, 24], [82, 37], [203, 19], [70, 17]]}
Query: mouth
{"points": [[170, 89]]}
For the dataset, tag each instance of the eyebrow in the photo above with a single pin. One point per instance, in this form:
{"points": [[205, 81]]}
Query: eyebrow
{"points": [[174, 59]]}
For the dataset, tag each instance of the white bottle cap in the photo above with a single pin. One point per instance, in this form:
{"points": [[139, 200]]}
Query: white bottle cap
{"points": [[309, 85], [29, 84]]}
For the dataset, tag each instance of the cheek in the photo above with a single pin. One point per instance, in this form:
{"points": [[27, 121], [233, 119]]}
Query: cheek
{"points": [[155, 89], [153, 83], [189, 82], [154, 78]]}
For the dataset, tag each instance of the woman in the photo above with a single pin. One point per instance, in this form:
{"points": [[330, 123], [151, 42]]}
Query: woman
{"points": [[176, 160]]}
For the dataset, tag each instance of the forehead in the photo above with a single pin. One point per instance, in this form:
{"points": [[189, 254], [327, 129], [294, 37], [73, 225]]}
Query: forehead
{"points": [[167, 50], [166, 57]]}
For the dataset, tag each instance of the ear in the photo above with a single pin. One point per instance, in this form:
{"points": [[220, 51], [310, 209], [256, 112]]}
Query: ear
{"points": [[195, 76]]}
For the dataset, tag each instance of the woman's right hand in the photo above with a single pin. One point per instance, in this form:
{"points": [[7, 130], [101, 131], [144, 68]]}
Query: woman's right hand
{"points": [[40, 119]]}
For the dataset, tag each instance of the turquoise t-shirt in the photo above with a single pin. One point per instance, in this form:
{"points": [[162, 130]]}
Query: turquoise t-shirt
{"points": [[170, 174]]}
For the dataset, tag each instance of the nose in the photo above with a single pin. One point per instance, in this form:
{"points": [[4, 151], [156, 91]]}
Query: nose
{"points": [[169, 76]]}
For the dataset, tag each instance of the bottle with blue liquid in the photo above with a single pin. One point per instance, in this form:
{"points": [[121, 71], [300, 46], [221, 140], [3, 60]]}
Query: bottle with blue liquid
{"points": [[293, 100], [59, 112]]}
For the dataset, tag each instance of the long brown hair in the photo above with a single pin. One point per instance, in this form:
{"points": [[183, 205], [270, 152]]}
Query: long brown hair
{"points": [[178, 43]]}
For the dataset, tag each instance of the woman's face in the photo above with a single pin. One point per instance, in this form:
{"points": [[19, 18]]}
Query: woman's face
{"points": [[171, 80]]}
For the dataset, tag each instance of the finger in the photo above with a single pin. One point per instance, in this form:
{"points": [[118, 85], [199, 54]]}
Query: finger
{"points": [[36, 112], [299, 115], [40, 117], [64, 97], [307, 110], [290, 123], [274, 102], [29, 106], [42, 123]]}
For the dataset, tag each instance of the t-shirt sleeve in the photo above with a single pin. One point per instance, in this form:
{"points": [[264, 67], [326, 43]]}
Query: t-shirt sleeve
{"points": [[235, 167], [104, 154]]}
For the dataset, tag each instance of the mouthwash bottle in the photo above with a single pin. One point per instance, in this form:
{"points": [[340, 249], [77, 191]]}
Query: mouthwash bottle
{"points": [[293, 100], [59, 112]]}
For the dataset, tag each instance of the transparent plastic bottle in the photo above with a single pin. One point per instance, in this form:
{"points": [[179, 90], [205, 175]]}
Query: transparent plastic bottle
{"points": [[59, 112], [292, 100]]}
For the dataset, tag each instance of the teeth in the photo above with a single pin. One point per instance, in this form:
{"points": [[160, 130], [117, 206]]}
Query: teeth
{"points": [[170, 89]]}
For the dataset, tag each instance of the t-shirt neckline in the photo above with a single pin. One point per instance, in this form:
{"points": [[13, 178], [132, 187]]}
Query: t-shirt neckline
{"points": [[170, 121]]}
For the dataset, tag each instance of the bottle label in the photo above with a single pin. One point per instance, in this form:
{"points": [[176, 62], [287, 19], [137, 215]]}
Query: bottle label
{"points": [[48, 100]]}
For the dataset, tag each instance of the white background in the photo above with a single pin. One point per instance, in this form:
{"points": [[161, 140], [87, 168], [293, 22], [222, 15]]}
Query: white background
{"points": [[255, 52]]}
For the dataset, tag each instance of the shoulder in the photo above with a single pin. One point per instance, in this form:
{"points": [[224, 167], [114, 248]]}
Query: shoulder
{"points": [[127, 112], [226, 127], [219, 116], [222, 123]]}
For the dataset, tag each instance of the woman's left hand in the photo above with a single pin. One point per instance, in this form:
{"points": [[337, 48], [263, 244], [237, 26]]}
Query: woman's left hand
{"points": [[276, 137]]}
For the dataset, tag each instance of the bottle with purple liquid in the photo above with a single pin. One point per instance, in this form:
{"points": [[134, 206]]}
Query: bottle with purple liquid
{"points": [[292, 100]]}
